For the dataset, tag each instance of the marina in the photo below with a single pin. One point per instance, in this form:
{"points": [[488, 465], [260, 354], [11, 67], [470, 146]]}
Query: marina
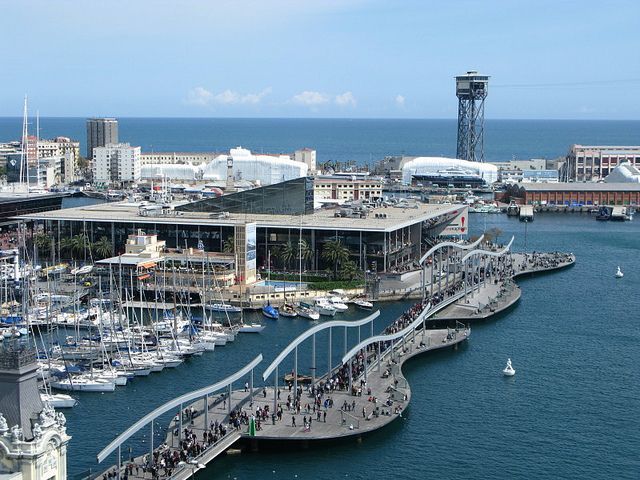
{"points": [[352, 376]]}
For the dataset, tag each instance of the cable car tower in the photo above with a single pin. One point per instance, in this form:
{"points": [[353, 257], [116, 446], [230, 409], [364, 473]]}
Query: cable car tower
{"points": [[471, 90]]}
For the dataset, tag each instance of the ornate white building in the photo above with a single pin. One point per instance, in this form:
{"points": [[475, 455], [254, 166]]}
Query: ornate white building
{"points": [[33, 437]]}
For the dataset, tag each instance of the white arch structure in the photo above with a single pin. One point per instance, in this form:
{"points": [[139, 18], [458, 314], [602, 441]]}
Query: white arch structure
{"points": [[485, 253], [293, 347], [439, 247], [178, 402]]}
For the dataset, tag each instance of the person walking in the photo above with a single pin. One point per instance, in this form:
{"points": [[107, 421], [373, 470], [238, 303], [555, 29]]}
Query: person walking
{"points": [[293, 421]]}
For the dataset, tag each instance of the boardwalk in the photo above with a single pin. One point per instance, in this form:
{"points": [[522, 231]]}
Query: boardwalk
{"points": [[363, 393]]}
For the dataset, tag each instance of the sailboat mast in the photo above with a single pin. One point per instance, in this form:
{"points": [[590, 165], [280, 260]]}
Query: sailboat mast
{"points": [[24, 158]]}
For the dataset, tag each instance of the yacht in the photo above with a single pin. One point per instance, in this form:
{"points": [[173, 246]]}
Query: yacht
{"points": [[338, 304], [223, 307], [324, 307], [251, 328], [619, 273], [288, 310], [307, 311], [58, 400], [270, 311], [84, 383], [363, 304]]}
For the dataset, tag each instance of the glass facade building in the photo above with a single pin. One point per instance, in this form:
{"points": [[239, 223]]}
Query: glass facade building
{"points": [[293, 197]]}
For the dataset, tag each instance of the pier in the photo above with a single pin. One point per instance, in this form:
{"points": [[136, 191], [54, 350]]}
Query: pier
{"points": [[362, 391]]}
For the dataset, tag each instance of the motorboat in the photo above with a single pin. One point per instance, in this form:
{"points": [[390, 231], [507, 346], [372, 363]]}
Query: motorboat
{"points": [[338, 304], [307, 311], [223, 307], [619, 273], [82, 270], [270, 311], [324, 307], [288, 310], [509, 371], [58, 400], [363, 304], [251, 328]]}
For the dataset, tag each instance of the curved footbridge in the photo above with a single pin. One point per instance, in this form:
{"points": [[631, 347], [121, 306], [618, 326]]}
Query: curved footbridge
{"points": [[362, 391]]}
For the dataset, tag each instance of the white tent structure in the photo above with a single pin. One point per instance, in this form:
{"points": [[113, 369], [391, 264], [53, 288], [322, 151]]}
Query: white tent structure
{"points": [[265, 169], [171, 171], [447, 166], [258, 169], [624, 173]]}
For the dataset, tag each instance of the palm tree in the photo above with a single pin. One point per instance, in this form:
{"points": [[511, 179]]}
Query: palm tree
{"points": [[42, 241], [304, 252], [286, 253], [102, 248], [79, 244], [66, 245], [335, 252], [229, 245]]}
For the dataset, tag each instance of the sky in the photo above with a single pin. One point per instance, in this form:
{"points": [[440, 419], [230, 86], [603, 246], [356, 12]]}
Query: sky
{"points": [[548, 59]]}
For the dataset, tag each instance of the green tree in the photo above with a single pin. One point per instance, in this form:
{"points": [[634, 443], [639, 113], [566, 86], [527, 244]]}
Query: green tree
{"points": [[66, 246], [286, 253], [304, 252], [42, 241], [102, 248], [349, 271], [335, 253]]}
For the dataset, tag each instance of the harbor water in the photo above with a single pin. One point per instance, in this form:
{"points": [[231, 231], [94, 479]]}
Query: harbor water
{"points": [[570, 411]]}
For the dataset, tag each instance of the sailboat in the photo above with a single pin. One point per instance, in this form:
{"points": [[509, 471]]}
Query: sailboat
{"points": [[288, 310], [269, 310], [619, 273]]}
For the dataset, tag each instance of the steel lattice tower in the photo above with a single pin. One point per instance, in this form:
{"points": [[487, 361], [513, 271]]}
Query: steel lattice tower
{"points": [[471, 90]]}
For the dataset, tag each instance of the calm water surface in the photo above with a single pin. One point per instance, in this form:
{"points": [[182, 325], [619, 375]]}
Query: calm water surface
{"points": [[570, 412]]}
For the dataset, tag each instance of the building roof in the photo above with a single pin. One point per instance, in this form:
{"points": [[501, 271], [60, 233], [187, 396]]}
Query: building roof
{"points": [[323, 219], [579, 187]]}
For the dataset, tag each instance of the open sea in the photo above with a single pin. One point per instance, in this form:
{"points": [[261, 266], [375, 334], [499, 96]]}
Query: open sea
{"points": [[362, 141], [572, 410]]}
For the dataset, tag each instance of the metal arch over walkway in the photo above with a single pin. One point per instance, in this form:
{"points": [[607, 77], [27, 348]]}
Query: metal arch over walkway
{"points": [[293, 347], [312, 331], [488, 252], [440, 245], [176, 402], [389, 337]]}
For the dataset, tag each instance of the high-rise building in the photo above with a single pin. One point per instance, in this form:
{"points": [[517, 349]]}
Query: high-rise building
{"points": [[116, 163], [101, 132]]}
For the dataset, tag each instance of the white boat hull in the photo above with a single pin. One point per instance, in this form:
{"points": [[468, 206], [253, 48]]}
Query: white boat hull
{"points": [[58, 400], [252, 328], [84, 386]]}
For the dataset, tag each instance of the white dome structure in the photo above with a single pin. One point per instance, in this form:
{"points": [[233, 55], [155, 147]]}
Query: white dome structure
{"points": [[430, 166], [266, 169]]}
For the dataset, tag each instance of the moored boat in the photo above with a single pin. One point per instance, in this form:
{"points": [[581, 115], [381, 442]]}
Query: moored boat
{"points": [[270, 311]]}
